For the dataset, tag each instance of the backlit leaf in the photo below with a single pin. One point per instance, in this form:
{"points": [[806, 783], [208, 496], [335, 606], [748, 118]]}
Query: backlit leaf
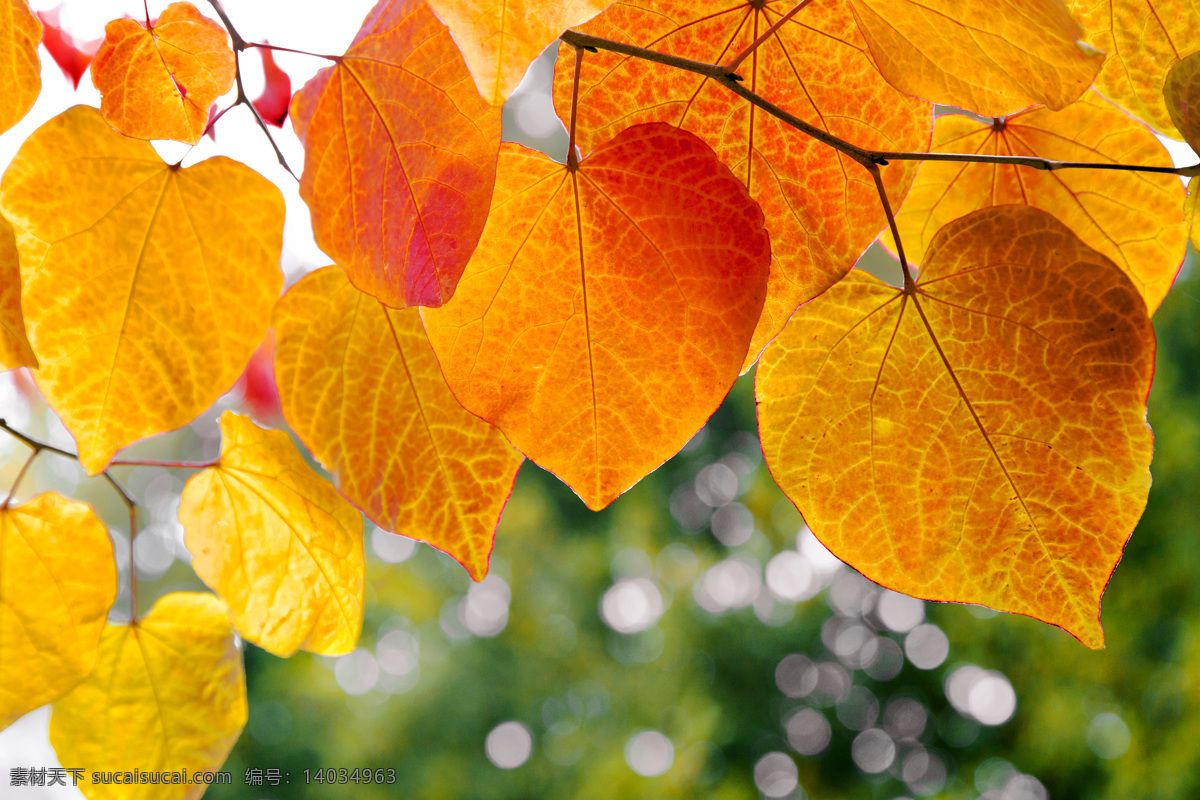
{"points": [[14, 344], [992, 57], [821, 208], [1143, 40], [1191, 211], [500, 38], [146, 286], [362, 389], [608, 310], [159, 83], [57, 582], [1181, 91], [20, 71], [400, 157], [1129, 217], [168, 694], [277, 543], [982, 440]]}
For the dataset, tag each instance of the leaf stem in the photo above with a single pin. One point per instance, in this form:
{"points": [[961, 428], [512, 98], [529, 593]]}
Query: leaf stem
{"points": [[167, 464], [21, 474], [572, 156], [265, 46], [750, 48], [910, 285]]}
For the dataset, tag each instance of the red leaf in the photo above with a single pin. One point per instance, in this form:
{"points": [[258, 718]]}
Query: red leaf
{"points": [[272, 104], [72, 56], [255, 391]]}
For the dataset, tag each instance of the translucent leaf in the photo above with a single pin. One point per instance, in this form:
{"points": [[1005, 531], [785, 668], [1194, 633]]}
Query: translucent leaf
{"points": [[20, 71], [417, 463], [168, 694], [399, 157], [981, 440], [57, 583], [1130, 217], [277, 543], [607, 310], [159, 82], [146, 286], [1181, 91], [993, 57], [14, 343], [822, 209]]}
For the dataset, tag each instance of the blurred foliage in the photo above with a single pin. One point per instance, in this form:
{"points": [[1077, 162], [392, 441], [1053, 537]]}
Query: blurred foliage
{"points": [[707, 681]]}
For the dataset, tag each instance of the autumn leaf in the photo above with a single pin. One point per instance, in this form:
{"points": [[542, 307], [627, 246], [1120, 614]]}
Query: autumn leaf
{"points": [[417, 463], [72, 56], [146, 286], [822, 208], [57, 583], [992, 58], [1181, 92], [272, 104], [20, 71], [982, 439], [14, 344], [168, 694], [158, 82], [1129, 217], [1191, 211], [400, 157], [607, 310], [1143, 40], [500, 38], [277, 543]]}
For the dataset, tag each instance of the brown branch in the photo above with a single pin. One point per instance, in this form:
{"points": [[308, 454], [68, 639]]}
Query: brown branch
{"points": [[910, 285]]}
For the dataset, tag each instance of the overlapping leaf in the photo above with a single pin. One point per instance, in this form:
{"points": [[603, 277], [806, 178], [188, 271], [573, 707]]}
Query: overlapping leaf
{"points": [[277, 543], [359, 384], [400, 157], [500, 38], [1143, 39], [1130, 217], [1181, 92], [992, 58], [57, 582], [146, 286], [168, 694], [607, 310], [822, 209], [14, 344], [159, 82], [20, 72], [981, 440]]}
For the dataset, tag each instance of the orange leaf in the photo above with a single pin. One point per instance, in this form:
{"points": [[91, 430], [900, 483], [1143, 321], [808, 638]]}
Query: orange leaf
{"points": [[993, 57], [14, 344], [500, 38], [982, 440], [1132, 218], [821, 208], [400, 157], [1143, 39], [1181, 91], [608, 310], [418, 464], [146, 286], [20, 71], [158, 83]]}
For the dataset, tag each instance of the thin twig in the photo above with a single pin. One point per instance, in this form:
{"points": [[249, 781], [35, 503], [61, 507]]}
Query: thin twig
{"points": [[239, 45], [750, 48], [1033, 162], [910, 285], [167, 464]]}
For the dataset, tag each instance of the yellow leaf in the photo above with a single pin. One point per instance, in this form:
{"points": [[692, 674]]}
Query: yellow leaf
{"points": [[992, 57], [57, 582], [20, 71], [981, 439], [159, 83], [1181, 91], [1130, 217], [14, 344], [500, 38], [146, 286], [1191, 211], [277, 543], [1143, 39], [417, 463], [168, 694]]}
